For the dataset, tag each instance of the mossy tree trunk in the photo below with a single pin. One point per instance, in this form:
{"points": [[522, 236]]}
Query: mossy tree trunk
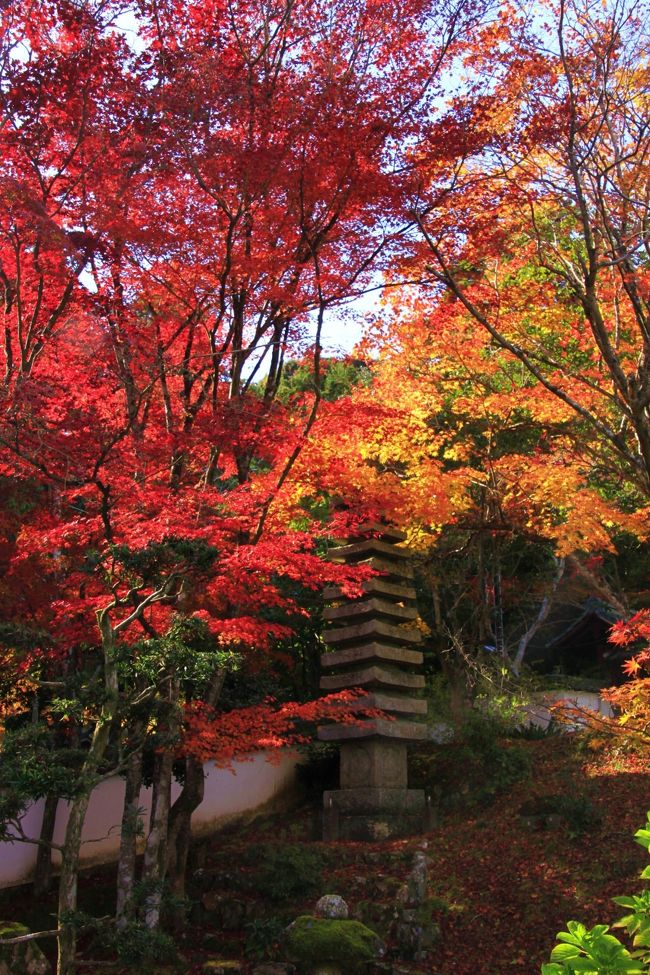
{"points": [[126, 865], [155, 855], [67, 904]]}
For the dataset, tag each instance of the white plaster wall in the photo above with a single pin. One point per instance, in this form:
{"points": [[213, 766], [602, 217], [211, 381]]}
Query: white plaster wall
{"points": [[539, 712], [229, 794], [17, 860]]}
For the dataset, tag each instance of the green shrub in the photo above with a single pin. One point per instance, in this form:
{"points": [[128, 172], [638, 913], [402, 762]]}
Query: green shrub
{"points": [[535, 732], [288, 872], [597, 952], [263, 937], [138, 947], [580, 814], [474, 767]]}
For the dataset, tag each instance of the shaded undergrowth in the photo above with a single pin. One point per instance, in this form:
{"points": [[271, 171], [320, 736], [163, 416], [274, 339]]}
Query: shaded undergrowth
{"points": [[510, 864]]}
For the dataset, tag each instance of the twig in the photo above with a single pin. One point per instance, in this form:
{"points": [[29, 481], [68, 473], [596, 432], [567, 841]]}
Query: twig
{"points": [[30, 937]]}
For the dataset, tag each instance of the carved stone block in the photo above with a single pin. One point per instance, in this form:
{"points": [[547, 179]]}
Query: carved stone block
{"points": [[376, 763]]}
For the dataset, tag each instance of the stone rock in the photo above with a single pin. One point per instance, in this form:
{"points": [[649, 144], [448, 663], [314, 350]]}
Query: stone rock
{"points": [[331, 906], [402, 896], [347, 947], [418, 879], [223, 966], [441, 732], [416, 932], [24, 958], [430, 936], [274, 968], [407, 936]]}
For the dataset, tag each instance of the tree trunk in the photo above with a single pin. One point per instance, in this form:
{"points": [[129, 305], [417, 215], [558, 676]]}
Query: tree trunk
{"points": [[128, 838], [72, 844], [179, 835], [155, 854], [68, 885], [180, 818], [43, 869], [67, 939], [541, 618]]}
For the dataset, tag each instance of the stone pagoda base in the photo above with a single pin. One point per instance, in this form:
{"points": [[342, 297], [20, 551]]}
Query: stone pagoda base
{"points": [[373, 802], [373, 814]]}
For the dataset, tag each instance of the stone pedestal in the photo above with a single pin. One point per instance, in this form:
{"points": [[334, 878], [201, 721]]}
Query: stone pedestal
{"points": [[373, 643], [377, 763]]}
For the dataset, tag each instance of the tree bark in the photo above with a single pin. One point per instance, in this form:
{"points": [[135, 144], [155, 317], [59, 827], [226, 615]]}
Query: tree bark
{"points": [[155, 855], [68, 885], [77, 810], [43, 869], [541, 617], [180, 819], [129, 837], [179, 835]]}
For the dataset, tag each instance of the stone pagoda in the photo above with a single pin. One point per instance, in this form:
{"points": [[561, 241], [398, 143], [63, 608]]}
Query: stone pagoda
{"points": [[372, 643]]}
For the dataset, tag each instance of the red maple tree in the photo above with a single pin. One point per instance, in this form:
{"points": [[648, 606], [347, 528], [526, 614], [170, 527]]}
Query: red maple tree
{"points": [[186, 191]]}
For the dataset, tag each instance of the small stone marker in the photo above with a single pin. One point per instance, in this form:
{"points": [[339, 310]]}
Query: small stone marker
{"points": [[415, 932], [332, 906]]}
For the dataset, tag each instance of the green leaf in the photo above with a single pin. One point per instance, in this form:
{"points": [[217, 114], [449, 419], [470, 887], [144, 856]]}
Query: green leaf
{"points": [[564, 951], [625, 922], [583, 964], [575, 935], [642, 837]]}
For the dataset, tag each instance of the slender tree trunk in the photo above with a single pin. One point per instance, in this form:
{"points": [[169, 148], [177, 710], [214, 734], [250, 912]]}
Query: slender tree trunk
{"points": [[67, 940], [68, 884], [179, 835], [129, 836], [43, 869], [499, 635], [72, 844], [541, 618], [155, 854]]}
